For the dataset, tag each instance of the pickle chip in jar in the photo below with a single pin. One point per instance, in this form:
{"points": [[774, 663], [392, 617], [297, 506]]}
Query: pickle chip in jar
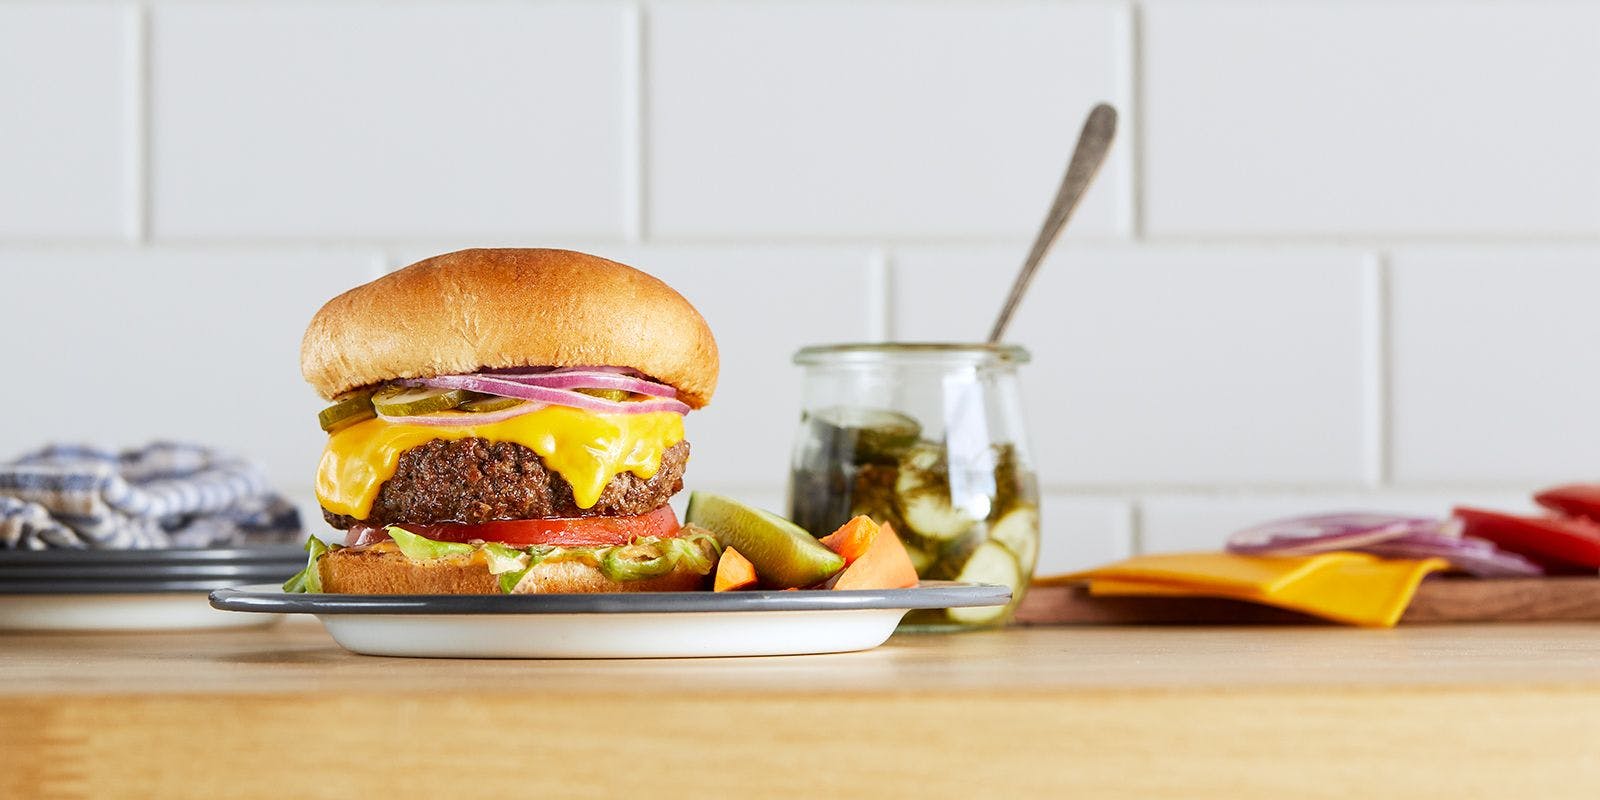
{"points": [[922, 493], [1018, 531], [992, 564]]}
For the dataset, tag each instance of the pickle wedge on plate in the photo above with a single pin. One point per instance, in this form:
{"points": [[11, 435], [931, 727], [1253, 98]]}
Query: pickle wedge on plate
{"points": [[784, 554]]}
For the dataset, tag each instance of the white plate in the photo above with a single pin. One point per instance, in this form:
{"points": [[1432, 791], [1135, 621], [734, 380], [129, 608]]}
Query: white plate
{"points": [[118, 612], [642, 625]]}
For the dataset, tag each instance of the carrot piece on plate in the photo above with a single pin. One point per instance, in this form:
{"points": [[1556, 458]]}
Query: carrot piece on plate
{"points": [[734, 571], [884, 564], [852, 539]]}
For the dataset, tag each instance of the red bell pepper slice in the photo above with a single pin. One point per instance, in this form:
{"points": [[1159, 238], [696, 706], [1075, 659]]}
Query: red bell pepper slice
{"points": [[1559, 544], [1574, 500]]}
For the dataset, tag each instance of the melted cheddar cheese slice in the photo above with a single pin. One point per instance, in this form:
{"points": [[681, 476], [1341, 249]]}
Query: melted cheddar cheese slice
{"points": [[585, 448]]}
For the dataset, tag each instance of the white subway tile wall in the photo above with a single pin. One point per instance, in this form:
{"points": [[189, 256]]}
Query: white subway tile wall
{"points": [[1178, 366], [334, 120], [119, 348], [1401, 118], [1343, 255], [1492, 365], [808, 120], [67, 130]]}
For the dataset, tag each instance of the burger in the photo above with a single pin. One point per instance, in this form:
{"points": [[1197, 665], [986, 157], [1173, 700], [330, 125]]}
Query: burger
{"points": [[507, 420]]}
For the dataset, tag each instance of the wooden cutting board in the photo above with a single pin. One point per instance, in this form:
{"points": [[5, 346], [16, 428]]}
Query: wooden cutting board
{"points": [[1437, 600]]}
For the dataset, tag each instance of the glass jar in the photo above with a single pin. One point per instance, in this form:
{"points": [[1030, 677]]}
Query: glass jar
{"points": [[930, 438]]}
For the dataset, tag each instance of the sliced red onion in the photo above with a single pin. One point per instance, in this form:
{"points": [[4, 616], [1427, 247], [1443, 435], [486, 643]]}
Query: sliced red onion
{"points": [[1491, 563], [1385, 536], [591, 379], [503, 387], [513, 371], [617, 370], [446, 418], [1454, 540], [1300, 536]]}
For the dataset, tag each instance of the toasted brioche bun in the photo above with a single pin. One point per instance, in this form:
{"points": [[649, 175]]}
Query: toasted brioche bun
{"points": [[380, 569], [498, 308]]}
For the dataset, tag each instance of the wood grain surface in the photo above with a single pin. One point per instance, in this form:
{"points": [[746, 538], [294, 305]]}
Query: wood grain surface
{"points": [[1437, 601], [1308, 711]]}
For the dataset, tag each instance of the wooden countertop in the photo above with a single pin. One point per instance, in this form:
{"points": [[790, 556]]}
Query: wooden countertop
{"points": [[1463, 711]]}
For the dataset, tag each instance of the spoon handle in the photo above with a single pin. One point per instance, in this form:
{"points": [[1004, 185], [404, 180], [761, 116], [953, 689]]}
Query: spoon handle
{"points": [[1098, 131]]}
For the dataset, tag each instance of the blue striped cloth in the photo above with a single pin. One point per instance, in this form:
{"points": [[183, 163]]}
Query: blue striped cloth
{"points": [[164, 495]]}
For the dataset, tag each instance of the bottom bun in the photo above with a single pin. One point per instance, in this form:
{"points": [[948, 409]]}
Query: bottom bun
{"points": [[383, 569]]}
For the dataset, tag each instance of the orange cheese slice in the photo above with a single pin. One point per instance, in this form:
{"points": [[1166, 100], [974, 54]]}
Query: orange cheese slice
{"points": [[1352, 588], [1223, 570]]}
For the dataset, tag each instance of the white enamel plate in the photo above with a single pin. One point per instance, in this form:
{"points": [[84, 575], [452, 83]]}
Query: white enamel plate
{"points": [[622, 625]]}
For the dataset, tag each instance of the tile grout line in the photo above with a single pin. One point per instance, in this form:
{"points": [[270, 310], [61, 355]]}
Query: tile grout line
{"points": [[136, 86], [1131, 87], [1377, 401], [1080, 243], [635, 107], [880, 294], [1136, 525]]}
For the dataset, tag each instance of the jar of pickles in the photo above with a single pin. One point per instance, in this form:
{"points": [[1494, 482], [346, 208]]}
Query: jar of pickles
{"points": [[929, 438]]}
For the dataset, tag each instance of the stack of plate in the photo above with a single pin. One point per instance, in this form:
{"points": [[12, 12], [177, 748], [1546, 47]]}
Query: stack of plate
{"points": [[130, 589]]}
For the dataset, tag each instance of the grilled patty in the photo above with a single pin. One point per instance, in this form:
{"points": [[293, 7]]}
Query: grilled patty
{"points": [[475, 481]]}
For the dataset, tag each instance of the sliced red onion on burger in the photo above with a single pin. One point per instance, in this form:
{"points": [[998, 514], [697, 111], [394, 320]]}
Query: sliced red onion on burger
{"points": [[586, 378], [565, 396]]}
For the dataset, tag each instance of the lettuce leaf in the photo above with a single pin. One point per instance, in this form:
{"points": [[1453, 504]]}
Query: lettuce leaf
{"points": [[308, 580], [420, 548]]}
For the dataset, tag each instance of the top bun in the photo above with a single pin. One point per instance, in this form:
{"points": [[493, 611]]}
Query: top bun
{"points": [[498, 308]]}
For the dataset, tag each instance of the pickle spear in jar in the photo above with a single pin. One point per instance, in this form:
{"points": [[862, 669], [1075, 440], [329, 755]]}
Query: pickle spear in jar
{"points": [[864, 435]]}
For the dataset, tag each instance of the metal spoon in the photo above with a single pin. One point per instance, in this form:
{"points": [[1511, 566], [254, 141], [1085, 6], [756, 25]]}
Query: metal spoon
{"points": [[1098, 131]]}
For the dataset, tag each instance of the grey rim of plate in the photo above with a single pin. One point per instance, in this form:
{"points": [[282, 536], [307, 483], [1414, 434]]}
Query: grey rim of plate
{"points": [[260, 571], [119, 587], [236, 555], [931, 594]]}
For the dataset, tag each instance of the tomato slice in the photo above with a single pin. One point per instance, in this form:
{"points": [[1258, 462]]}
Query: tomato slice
{"points": [[1574, 499], [1559, 544], [563, 531]]}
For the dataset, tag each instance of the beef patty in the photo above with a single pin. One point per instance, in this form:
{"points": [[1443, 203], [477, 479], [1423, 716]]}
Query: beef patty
{"points": [[476, 481]]}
